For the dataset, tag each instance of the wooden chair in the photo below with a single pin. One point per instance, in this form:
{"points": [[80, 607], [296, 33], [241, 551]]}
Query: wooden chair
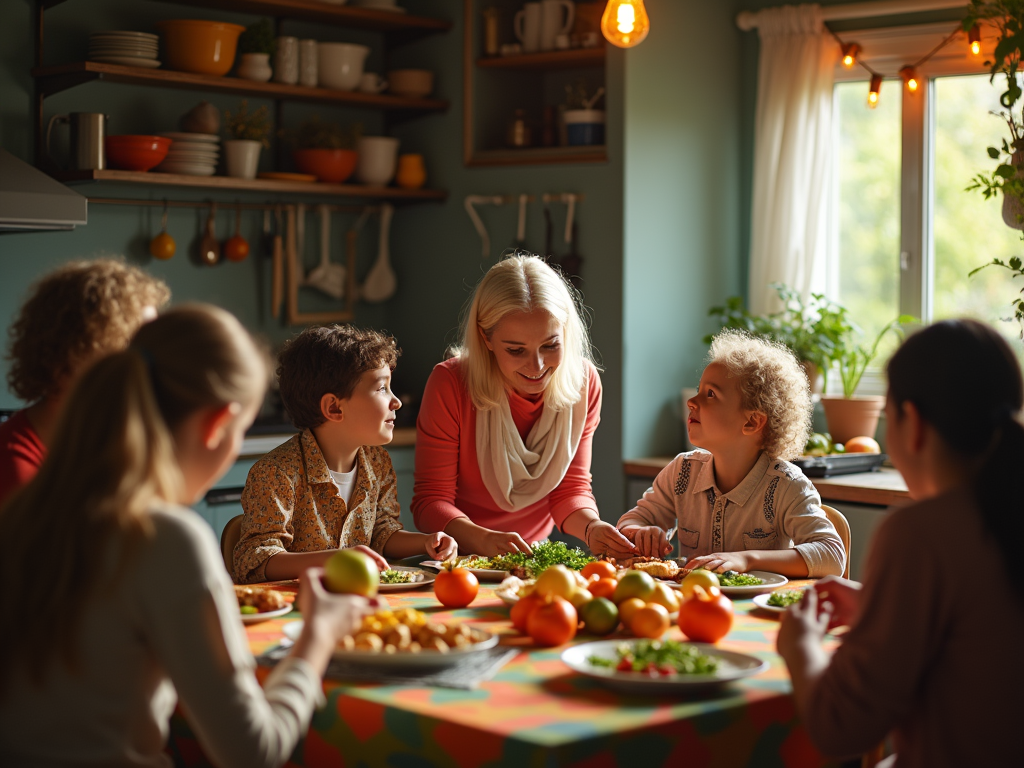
{"points": [[842, 526], [229, 537]]}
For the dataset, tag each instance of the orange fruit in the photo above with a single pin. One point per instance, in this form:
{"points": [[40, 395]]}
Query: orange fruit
{"points": [[600, 568], [650, 621], [699, 577], [603, 588], [863, 444], [628, 607]]}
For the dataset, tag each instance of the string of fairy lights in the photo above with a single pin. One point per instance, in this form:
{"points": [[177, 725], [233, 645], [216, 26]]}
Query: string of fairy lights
{"points": [[909, 74]]}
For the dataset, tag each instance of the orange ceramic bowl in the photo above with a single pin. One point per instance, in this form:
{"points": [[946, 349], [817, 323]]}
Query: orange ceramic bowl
{"points": [[205, 47], [136, 153], [329, 165]]}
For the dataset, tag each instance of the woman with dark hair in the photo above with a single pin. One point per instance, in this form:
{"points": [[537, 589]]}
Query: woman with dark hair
{"points": [[932, 651]]}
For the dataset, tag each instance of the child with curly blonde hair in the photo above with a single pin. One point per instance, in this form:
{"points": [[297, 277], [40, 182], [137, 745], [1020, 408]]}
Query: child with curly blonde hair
{"points": [[75, 315], [738, 503]]}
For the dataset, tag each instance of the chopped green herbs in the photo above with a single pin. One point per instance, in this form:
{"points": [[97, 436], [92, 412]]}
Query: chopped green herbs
{"points": [[733, 579], [544, 556], [785, 597], [659, 658], [395, 577]]}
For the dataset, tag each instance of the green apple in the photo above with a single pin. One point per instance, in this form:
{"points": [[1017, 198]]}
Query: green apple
{"points": [[350, 572]]}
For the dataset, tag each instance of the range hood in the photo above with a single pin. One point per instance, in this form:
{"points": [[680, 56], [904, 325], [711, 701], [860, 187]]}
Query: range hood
{"points": [[32, 201]]}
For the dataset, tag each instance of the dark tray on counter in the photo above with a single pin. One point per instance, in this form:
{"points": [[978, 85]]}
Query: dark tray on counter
{"points": [[840, 464]]}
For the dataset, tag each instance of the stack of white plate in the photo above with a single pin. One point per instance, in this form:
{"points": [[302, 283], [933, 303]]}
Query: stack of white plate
{"points": [[132, 49], [191, 154]]}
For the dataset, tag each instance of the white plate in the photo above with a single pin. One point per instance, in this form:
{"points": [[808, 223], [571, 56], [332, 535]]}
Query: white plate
{"points": [[771, 582], [421, 579], [128, 61], [186, 169], [480, 573], [421, 660], [733, 666], [202, 158], [123, 50], [761, 601], [209, 138], [125, 33], [253, 618]]}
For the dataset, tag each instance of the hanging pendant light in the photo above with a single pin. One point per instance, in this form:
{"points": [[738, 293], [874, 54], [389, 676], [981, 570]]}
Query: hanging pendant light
{"points": [[625, 23], [910, 79], [873, 90], [974, 38]]}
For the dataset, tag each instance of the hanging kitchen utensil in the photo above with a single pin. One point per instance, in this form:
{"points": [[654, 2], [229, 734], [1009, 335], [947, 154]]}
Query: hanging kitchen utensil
{"points": [[277, 267], [572, 262], [209, 248], [268, 234], [521, 223], [548, 255], [327, 277], [162, 246], [237, 247], [381, 283], [300, 230], [470, 203]]}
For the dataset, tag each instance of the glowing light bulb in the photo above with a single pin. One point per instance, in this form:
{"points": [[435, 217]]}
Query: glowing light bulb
{"points": [[909, 75], [873, 90], [625, 23], [850, 51], [974, 37]]}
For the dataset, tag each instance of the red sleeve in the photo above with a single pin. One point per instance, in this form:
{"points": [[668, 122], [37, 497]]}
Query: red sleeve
{"points": [[437, 451], [21, 455], [576, 491]]}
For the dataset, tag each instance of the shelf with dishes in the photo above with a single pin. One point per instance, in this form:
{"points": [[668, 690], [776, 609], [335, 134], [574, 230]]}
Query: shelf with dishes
{"points": [[52, 80], [573, 58]]}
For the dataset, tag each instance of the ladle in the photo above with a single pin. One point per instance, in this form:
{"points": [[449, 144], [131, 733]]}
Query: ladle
{"points": [[209, 248]]}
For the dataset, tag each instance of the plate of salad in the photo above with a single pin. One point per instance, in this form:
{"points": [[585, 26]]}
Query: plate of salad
{"points": [[399, 578], [659, 666], [749, 584], [520, 564], [778, 601]]}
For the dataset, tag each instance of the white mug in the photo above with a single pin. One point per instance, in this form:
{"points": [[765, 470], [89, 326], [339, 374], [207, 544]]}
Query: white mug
{"points": [[552, 23], [371, 82], [286, 62], [378, 160], [527, 25], [307, 63]]}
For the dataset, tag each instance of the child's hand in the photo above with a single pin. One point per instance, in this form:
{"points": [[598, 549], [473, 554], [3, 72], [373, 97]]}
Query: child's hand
{"points": [[652, 541], [441, 546], [844, 597], [382, 564], [721, 562], [805, 621]]}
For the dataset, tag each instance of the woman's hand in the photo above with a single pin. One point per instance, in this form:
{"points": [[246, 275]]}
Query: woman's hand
{"points": [[803, 626], [474, 540], [441, 546], [377, 558], [649, 540], [328, 618], [605, 539], [721, 562], [843, 596]]}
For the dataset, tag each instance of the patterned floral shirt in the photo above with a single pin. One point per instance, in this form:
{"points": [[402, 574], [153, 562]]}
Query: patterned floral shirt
{"points": [[292, 504], [774, 507]]}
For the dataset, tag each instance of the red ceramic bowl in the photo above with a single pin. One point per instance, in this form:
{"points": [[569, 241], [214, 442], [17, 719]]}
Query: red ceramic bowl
{"points": [[328, 165], [136, 153]]}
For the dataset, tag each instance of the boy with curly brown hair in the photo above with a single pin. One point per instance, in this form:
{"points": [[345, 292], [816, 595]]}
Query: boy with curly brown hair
{"points": [[332, 485], [73, 316], [738, 503]]}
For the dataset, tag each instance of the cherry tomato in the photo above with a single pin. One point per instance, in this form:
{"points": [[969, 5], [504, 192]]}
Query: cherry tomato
{"points": [[601, 568], [603, 588], [552, 622], [236, 248], [521, 610], [162, 246], [625, 665], [455, 587], [707, 616], [650, 621]]}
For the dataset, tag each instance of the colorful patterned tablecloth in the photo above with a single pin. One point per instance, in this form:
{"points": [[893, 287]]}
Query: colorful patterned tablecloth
{"points": [[537, 713]]}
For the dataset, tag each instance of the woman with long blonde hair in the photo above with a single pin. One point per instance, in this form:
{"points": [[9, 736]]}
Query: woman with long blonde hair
{"points": [[506, 426], [122, 599]]}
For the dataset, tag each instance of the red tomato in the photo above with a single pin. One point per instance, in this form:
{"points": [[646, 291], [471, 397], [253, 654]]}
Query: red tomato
{"points": [[601, 568], [521, 610], [603, 588], [456, 588], [706, 617], [552, 622]]}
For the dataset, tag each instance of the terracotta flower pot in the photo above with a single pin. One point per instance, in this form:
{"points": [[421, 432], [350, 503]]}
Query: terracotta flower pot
{"points": [[852, 416], [328, 165]]}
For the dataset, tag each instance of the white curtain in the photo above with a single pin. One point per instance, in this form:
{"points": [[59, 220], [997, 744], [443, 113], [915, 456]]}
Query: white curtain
{"points": [[792, 153]]}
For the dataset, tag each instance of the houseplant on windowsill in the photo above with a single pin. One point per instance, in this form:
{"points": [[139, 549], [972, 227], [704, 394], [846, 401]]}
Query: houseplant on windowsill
{"points": [[247, 132], [326, 150], [853, 415]]}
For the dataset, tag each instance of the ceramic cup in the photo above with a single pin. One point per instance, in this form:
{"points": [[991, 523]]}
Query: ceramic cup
{"points": [[527, 25], [286, 62], [378, 160], [556, 18], [308, 63], [341, 65], [371, 82]]}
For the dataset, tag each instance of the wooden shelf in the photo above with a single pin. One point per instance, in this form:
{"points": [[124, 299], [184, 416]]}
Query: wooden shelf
{"points": [[51, 80], [547, 60], [538, 156], [228, 183], [400, 25]]}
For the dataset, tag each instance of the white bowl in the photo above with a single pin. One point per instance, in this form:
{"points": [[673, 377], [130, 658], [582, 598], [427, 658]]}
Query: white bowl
{"points": [[378, 158], [411, 82], [340, 65]]}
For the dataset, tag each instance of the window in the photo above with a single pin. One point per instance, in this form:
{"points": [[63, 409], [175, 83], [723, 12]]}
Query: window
{"points": [[905, 233]]}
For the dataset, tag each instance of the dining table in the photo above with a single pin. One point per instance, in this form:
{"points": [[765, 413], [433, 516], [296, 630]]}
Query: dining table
{"points": [[536, 712]]}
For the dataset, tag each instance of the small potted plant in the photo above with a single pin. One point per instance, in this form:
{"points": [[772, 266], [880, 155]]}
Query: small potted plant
{"points": [[247, 133], [853, 415], [256, 45], [326, 150]]}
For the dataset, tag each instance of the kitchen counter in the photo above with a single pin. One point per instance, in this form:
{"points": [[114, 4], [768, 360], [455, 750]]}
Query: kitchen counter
{"points": [[883, 488]]}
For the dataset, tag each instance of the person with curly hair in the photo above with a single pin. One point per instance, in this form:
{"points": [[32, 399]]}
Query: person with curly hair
{"points": [[74, 315], [332, 485], [738, 503]]}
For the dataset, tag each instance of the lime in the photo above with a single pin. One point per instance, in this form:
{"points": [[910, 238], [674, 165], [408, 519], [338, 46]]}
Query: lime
{"points": [[599, 616], [838, 448], [634, 584], [817, 445]]}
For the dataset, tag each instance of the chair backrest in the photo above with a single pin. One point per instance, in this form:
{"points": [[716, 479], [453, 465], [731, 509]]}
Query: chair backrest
{"points": [[229, 537], [842, 526]]}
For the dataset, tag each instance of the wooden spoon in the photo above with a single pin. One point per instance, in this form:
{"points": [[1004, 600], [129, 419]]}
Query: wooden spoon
{"points": [[209, 248]]}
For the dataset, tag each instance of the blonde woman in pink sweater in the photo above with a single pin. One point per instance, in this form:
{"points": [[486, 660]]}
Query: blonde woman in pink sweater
{"points": [[935, 629], [505, 430]]}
